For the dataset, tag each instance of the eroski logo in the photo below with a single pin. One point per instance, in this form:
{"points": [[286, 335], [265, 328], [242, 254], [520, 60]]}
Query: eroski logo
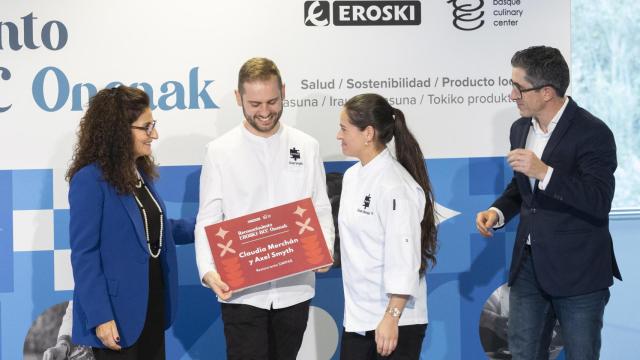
{"points": [[362, 13], [316, 13]]}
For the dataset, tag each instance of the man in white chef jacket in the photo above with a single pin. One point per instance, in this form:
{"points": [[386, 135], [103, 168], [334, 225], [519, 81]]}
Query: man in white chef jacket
{"points": [[260, 164]]}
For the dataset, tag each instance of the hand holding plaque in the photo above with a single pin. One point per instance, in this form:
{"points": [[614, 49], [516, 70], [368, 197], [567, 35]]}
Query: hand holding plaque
{"points": [[268, 245], [213, 280]]}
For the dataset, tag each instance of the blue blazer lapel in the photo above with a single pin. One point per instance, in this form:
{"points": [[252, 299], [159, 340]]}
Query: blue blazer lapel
{"points": [[130, 205], [522, 138], [521, 144], [561, 128]]}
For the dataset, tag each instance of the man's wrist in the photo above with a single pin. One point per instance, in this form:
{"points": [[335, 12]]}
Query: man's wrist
{"points": [[542, 184], [500, 222], [543, 172]]}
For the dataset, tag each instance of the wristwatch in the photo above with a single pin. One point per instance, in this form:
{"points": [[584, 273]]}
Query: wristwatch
{"points": [[394, 312]]}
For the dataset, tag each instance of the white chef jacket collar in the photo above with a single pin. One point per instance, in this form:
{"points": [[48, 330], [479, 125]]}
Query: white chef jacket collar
{"points": [[260, 139], [376, 164]]}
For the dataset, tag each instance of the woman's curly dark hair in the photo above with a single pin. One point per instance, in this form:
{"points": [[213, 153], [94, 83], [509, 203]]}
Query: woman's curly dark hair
{"points": [[104, 138]]}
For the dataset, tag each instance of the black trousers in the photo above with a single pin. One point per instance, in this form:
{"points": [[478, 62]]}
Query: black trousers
{"points": [[150, 344], [357, 347], [252, 333]]}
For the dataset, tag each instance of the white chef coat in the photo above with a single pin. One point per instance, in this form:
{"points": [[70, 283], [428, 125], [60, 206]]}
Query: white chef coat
{"points": [[243, 173], [381, 208]]}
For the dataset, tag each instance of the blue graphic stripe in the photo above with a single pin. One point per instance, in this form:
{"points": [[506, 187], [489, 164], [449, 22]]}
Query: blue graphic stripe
{"points": [[179, 183], [486, 176], [32, 189], [61, 229], [33, 293], [337, 166], [443, 338], [6, 232]]}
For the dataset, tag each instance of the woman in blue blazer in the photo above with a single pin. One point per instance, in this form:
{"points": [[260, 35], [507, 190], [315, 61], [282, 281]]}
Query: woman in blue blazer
{"points": [[122, 244]]}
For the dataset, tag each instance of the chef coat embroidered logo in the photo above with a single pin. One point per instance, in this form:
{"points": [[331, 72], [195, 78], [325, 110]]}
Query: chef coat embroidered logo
{"points": [[294, 154], [366, 203]]}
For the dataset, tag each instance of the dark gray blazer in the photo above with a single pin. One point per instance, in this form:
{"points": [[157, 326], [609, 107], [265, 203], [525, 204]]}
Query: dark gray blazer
{"points": [[568, 222]]}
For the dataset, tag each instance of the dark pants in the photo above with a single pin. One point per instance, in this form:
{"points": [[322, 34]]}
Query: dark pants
{"points": [[252, 333], [357, 347], [533, 314]]}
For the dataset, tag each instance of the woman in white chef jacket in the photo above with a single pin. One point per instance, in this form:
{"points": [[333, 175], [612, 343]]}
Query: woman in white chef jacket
{"points": [[387, 231]]}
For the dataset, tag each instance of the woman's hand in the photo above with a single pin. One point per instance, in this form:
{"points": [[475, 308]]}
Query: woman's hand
{"points": [[213, 280], [108, 334], [387, 335]]}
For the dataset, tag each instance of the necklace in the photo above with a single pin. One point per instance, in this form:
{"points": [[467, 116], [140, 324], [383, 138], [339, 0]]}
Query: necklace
{"points": [[138, 185], [146, 222]]}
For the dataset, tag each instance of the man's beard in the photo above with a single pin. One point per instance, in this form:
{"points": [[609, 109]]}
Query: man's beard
{"points": [[275, 116]]}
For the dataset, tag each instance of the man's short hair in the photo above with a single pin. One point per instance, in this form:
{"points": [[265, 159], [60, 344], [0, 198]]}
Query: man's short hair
{"points": [[543, 65], [257, 68]]}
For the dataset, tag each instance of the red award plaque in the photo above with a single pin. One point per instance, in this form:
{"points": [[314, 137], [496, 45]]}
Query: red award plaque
{"points": [[268, 245]]}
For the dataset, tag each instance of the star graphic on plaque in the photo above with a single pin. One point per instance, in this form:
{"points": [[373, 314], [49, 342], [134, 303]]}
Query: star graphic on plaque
{"points": [[304, 226], [222, 233], [299, 211], [226, 248]]}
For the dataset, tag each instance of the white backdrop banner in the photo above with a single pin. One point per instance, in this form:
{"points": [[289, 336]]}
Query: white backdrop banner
{"points": [[445, 63]]}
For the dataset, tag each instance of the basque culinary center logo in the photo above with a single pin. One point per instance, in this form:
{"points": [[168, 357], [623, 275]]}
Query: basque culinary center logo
{"points": [[467, 14]]}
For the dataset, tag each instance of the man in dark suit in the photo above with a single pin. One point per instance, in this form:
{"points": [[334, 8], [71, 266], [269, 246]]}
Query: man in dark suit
{"points": [[563, 263]]}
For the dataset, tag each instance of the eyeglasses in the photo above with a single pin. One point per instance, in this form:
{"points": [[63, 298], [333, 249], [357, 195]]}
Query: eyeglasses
{"points": [[148, 129], [519, 90]]}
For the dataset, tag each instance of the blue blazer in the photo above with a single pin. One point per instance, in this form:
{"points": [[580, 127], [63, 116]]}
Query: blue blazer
{"points": [[110, 259], [571, 246]]}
